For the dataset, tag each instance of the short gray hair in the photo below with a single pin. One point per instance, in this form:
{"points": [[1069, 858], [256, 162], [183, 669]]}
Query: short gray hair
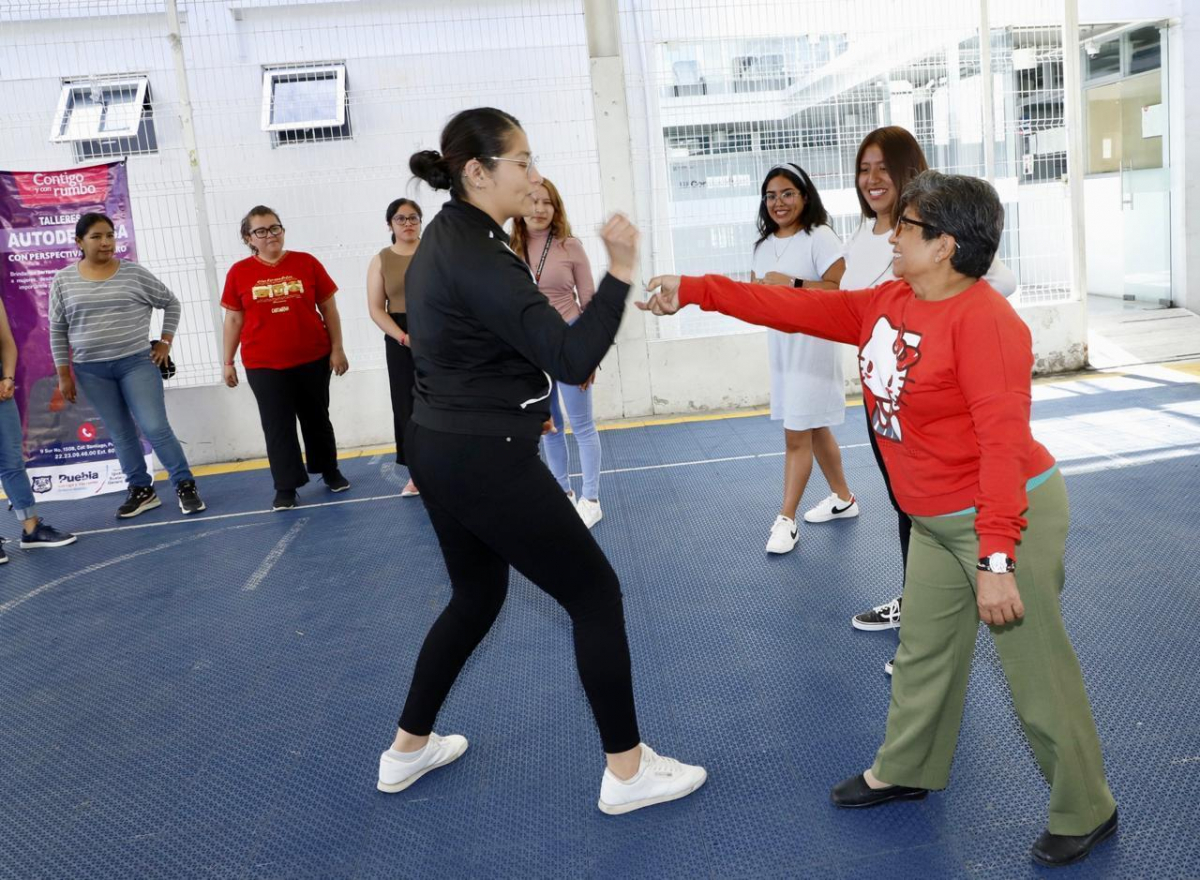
{"points": [[967, 208]]}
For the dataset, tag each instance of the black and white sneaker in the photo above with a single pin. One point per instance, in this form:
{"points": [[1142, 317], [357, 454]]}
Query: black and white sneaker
{"points": [[138, 501], [45, 535], [285, 499], [887, 667], [335, 481], [886, 616], [189, 499], [3, 555]]}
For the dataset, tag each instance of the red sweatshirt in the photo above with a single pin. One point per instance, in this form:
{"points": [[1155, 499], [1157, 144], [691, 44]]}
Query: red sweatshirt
{"points": [[947, 385]]}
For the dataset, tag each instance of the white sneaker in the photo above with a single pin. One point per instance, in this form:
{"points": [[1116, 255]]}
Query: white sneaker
{"points": [[783, 535], [832, 508], [657, 781], [396, 774], [589, 511]]}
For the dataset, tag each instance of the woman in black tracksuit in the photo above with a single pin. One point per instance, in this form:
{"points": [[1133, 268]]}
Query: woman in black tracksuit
{"points": [[486, 344]]}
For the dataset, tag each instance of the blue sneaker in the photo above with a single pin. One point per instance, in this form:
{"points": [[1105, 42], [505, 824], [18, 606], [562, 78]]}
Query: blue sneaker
{"points": [[45, 535]]}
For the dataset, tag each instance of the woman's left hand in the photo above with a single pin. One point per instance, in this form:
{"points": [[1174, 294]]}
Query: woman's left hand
{"points": [[591, 380], [998, 598], [159, 352], [337, 360], [777, 278], [7, 388]]}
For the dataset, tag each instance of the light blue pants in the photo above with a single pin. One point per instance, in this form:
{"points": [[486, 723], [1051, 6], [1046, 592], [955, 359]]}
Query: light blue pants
{"points": [[12, 462], [128, 394], [578, 405]]}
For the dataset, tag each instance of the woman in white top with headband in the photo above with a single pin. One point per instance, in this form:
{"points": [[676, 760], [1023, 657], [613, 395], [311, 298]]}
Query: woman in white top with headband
{"points": [[797, 247]]}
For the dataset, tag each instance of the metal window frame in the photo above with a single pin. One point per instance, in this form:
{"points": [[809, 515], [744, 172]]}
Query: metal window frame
{"points": [[66, 106], [271, 75]]}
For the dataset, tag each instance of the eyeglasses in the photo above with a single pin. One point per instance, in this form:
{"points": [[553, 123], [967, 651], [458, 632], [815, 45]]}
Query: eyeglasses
{"points": [[407, 220], [266, 231], [528, 164], [788, 195], [909, 221]]}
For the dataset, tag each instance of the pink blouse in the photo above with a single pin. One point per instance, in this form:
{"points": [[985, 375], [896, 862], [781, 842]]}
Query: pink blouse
{"points": [[566, 273]]}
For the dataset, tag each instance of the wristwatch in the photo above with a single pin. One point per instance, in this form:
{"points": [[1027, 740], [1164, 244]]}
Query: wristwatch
{"points": [[997, 563], [797, 282]]}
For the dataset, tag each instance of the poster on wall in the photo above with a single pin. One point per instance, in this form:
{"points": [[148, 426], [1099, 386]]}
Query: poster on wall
{"points": [[67, 449]]}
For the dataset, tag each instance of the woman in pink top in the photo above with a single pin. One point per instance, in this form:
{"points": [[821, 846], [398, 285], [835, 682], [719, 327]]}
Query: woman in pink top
{"points": [[563, 274]]}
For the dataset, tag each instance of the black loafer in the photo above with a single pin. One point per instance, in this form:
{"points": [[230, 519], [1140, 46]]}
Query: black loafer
{"points": [[855, 792], [1053, 850]]}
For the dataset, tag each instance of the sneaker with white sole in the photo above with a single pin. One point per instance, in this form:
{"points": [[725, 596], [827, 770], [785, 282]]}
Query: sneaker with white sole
{"points": [[885, 616], [783, 535], [589, 511], [659, 779], [397, 773], [832, 507], [889, 666]]}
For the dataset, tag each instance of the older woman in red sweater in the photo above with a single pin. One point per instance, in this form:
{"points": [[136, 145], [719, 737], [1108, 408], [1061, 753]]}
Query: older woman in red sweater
{"points": [[946, 365]]}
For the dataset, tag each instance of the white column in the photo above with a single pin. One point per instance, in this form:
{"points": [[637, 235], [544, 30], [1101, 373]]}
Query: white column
{"points": [[1076, 138], [628, 363], [199, 199], [1184, 79]]}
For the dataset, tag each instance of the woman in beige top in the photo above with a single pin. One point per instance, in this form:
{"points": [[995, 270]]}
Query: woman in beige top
{"points": [[385, 300]]}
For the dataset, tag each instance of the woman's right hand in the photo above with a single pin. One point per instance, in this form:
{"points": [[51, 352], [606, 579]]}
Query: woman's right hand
{"points": [[620, 239], [666, 300], [231, 376], [66, 385]]}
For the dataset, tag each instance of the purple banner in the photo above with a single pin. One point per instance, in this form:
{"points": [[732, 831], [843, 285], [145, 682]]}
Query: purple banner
{"points": [[68, 451]]}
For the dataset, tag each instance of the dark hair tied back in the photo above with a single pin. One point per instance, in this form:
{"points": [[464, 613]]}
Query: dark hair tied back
{"points": [[479, 133], [85, 223], [431, 168]]}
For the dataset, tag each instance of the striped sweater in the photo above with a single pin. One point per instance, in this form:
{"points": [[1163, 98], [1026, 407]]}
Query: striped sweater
{"points": [[107, 320]]}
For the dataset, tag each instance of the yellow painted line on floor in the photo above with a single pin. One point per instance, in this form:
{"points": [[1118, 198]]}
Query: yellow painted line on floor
{"points": [[255, 464]]}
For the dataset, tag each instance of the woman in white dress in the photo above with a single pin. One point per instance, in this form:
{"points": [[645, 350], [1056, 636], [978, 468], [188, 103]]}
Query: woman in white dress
{"points": [[888, 159], [797, 247]]}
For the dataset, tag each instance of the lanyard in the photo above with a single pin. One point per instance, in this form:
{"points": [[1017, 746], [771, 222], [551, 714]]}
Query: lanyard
{"points": [[537, 276]]}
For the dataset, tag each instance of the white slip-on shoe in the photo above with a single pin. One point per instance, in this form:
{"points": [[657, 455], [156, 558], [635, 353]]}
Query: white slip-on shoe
{"points": [[396, 774], [658, 780], [832, 507], [783, 535], [410, 490], [589, 511]]}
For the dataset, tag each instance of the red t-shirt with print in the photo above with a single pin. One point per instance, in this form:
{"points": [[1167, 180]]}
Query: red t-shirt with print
{"points": [[283, 327]]}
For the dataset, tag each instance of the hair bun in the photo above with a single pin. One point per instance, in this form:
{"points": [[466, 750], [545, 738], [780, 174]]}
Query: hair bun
{"points": [[431, 168]]}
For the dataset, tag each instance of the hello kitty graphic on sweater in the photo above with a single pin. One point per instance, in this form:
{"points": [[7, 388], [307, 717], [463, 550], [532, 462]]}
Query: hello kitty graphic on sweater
{"points": [[947, 384]]}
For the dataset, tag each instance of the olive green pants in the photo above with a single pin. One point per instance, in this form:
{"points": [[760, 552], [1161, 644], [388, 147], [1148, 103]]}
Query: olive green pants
{"points": [[937, 642]]}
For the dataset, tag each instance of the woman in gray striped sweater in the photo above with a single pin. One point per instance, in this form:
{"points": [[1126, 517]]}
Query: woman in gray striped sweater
{"points": [[100, 320]]}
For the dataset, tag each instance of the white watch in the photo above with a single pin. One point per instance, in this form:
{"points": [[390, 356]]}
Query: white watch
{"points": [[997, 563]]}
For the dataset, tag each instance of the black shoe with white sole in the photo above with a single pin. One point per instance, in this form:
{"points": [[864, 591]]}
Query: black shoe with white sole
{"points": [[285, 499], [189, 498], [885, 616], [138, 501], [335, 481], [45, 535]]}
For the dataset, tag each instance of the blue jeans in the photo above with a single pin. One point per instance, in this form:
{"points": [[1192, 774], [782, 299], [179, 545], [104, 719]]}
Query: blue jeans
{"points": [[12, 462], [128, 394], [579, 410]]}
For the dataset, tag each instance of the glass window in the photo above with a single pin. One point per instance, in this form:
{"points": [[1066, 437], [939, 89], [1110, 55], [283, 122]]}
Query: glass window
{"points": [[105, 117], [1145, 50], [1103, 59]]}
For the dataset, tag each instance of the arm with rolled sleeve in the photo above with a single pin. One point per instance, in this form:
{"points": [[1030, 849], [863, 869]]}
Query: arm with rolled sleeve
{"points": [[159, 296], [60, 346], [504, 297], [994, 366]]}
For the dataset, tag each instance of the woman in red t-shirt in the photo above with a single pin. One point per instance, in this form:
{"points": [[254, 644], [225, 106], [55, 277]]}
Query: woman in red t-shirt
{"points": [[279, 308]]}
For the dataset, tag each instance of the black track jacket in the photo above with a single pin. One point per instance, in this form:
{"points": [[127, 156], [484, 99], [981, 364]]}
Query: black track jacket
{"points": [[484, 337]]}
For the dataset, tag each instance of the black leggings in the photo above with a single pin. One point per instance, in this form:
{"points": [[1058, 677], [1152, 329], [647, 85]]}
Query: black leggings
{"points": [[904, 522], [401, 375], [493, 504]]}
